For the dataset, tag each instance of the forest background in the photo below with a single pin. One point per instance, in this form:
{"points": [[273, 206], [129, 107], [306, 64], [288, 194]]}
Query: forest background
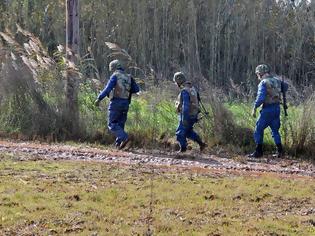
{"points": [[217, 44]]}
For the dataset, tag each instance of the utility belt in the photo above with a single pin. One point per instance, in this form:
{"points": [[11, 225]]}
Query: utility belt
{"points": [[118, 98], [270, 105]]}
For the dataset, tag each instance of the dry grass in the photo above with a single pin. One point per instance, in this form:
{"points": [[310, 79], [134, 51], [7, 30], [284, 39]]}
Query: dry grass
{"points": [[84, 198], [302, 129]]}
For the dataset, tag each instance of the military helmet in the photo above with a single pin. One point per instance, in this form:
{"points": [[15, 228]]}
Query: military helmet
{"points": [[179, 78], [262, 69], [114, 65]]}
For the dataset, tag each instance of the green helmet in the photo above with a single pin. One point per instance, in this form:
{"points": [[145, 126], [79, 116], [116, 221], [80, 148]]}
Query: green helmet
{"points": [[179, 78], [114, 65], [262, 69]]}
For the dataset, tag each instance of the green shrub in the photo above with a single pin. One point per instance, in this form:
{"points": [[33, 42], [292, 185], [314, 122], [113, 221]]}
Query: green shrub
{"points": [[36, 110]]}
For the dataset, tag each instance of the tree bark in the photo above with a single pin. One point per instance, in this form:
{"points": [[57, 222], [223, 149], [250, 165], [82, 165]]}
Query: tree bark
{"points": [[72, 54]]}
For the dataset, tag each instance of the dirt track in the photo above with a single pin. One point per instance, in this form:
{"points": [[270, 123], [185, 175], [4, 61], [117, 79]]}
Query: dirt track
{"points": [[36, 151]]}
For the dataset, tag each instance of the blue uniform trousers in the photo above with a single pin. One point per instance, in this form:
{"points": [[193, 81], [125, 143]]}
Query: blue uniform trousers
{"points": [[269, 116], [186, 131], [117, 117]]}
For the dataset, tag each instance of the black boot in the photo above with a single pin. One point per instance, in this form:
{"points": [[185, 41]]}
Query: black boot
{"points": [[202, 145], [182, 149], [124, 143], [258, 152], [279, 151]]}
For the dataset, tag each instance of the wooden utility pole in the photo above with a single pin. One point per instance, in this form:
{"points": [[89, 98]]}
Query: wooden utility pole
{"points": [[73, 35], [72, 54]]}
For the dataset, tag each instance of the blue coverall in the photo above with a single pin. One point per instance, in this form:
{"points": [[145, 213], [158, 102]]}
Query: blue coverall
{"points": [[117, 109], [186, 123], [269, 116]]}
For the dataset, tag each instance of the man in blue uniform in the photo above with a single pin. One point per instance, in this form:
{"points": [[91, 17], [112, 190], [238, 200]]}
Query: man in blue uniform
{"points": [[269, 97], [119, 88], [187, 106]]}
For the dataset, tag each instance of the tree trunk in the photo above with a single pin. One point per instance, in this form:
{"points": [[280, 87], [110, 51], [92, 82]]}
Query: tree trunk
{"points": [[72, 52], [73, 35]]}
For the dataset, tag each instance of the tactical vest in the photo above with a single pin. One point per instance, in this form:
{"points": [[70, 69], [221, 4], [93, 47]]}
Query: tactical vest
{"points": [[193, 97], [273, 86], [123, 85]]}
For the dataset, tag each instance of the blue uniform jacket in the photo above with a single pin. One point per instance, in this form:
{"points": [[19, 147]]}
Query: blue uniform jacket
{"points": [[185, 106], [117, 103], [261, 97], [261, 94]]}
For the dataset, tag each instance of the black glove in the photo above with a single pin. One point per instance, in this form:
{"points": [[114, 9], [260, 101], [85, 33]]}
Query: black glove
{"points": [[97, 102]]}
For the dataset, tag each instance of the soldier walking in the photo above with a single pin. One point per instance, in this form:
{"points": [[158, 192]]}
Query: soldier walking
{"points": [[187, 107], [269, 97], [119, 89]]}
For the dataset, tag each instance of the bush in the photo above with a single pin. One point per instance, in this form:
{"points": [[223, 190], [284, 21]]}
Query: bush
{"points": [[23, 106], [300, 129]]}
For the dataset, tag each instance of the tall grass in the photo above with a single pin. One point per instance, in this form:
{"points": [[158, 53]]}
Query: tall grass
{"points": [[34, 110], [93, 120], [24, 107], [152, 121], [297, 129], [300, 129]]}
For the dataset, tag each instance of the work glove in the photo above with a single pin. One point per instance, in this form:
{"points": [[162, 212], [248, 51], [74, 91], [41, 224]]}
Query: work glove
{"points": [[178, 107], [97, 102], [254, 112]]}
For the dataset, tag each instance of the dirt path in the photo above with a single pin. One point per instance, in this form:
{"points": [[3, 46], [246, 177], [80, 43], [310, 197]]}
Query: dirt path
{"points": [[36, 151]]}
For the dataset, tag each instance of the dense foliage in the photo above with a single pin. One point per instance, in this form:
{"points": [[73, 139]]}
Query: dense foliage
{"points": [[217, 43], [221, 41]]}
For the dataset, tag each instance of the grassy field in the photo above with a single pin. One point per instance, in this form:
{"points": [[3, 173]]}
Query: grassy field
{"points": [[85, 198]]}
